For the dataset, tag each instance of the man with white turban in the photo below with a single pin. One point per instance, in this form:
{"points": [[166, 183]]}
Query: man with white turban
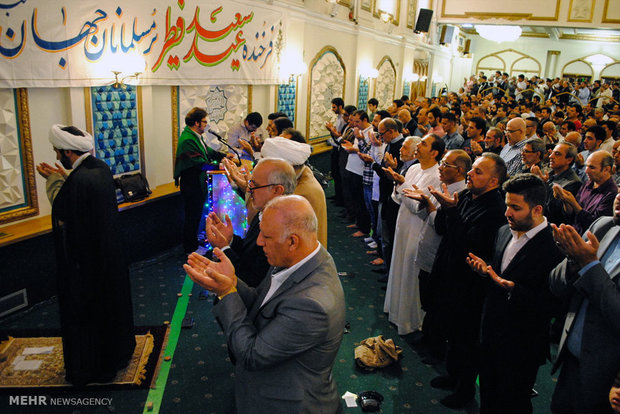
{"points": [[297, 154], [94, 294]]}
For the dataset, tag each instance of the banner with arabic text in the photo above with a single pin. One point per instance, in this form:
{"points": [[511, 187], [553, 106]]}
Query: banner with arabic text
{"points": [[185, 42]]}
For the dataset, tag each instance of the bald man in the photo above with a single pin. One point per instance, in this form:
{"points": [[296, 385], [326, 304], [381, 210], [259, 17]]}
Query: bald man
{"points": [[409, 124], [285, 334], [511, 153]]}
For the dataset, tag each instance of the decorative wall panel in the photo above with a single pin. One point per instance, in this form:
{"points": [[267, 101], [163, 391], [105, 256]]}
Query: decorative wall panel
{"points": [[287, 98], [327, 81], [407, 89], [226, 106], [18, 197], [386, 83], [362, 93], [116, 127]]}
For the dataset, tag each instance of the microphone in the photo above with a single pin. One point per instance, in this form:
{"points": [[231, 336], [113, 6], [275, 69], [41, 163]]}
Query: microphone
{"points": [[220, 139]]}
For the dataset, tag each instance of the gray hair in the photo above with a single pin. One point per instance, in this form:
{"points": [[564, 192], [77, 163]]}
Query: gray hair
{"points": [[571, 149], [296, 220], [283, 174], [538, 145]]}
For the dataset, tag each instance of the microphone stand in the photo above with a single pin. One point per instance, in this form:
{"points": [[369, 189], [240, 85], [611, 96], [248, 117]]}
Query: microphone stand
{"points": [[221, 140]]}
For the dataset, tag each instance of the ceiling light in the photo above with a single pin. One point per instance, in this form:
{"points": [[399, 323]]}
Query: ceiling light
{"points": [[499, 34]]}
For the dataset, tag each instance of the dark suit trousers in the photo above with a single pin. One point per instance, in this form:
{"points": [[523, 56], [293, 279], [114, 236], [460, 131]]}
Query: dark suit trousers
{"points": [[388, 213], [336, 174], [506, 382], [567, 397], [462, 356]]}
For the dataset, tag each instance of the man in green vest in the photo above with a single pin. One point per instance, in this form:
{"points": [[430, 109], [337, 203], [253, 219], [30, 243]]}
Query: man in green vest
{"points": [[192, 158]]}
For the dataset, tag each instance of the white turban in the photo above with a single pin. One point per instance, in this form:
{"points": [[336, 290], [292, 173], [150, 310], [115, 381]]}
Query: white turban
{"points": [[292, 151], [64, 140]]}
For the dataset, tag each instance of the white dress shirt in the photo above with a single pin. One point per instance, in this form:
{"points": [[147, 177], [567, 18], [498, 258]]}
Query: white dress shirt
{"points": [[517, 243], [279, 277]]}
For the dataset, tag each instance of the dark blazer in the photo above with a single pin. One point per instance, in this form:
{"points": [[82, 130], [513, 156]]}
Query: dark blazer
{"points": [[471, 226], [285, 349], [600, 346], [554, 208], [248, 258], [518, 322]]}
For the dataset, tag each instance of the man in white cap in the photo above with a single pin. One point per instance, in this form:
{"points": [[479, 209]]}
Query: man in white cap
{"points": [[94, 294], [297, 154]]}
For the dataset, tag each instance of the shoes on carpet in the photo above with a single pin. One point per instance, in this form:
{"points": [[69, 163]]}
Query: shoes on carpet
{"points": [[373, 245], [456, 400], [371, 252], [380, 271], [368, 239], [383, 279], [378, 261], [443, 382], [358, 234], [352, 226]]}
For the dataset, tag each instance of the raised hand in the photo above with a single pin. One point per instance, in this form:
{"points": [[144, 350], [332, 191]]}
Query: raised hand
{"points": [[365, 157], [219, 234], [537, 171], [45, 170], [443, 197], [399, 179], [239, 176], [420, 196], [479, 266], [247, 147], [574, 246], [218, 277], [390, 161]]}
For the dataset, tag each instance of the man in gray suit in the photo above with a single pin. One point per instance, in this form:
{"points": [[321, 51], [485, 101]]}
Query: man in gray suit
{"points": [[589, 350], [284, 334]]}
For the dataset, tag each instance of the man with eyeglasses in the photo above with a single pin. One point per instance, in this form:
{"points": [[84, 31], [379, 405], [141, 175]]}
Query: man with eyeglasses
{"points": [[388, 209], [271, 178], [511, 153], [533, 154], [192, 159], [560, 161]]}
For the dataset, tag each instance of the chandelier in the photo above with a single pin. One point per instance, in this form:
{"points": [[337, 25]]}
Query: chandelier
{"points": [[499, 34]]}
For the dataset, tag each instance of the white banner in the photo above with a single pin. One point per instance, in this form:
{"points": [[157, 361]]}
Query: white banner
{"points": [[185, 42]]}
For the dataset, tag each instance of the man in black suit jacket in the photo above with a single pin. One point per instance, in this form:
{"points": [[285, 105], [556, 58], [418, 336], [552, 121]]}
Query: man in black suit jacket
{"points": [[589, 350], [468, 222], [270, 178], [518, 304]]}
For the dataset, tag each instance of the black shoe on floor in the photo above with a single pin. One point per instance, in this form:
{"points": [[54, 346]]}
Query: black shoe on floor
{"points": [[443, 382], [380, 271], [456, 401], [383, 279]]}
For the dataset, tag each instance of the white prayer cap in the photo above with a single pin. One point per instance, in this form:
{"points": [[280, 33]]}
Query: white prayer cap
{"points": [[292, 151], [64, 140]]}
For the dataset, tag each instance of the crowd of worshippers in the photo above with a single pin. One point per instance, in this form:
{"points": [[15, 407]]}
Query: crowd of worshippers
{"points": [[475, 206]]}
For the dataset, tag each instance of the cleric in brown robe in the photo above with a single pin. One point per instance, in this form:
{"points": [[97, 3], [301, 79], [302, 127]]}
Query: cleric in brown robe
{"points": [[94, 294]]}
